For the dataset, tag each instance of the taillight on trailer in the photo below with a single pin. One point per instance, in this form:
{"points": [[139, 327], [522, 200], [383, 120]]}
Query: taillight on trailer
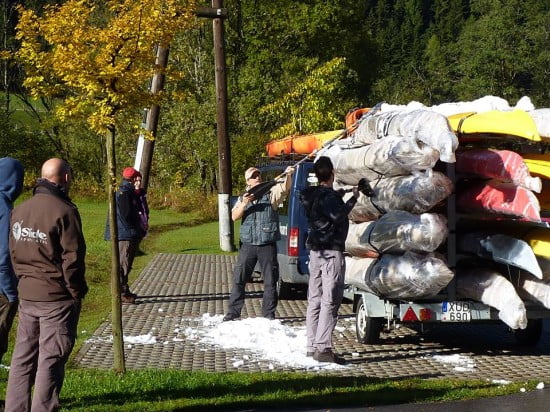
{"points": [[293, 241], [410, 316], [425, 314]]}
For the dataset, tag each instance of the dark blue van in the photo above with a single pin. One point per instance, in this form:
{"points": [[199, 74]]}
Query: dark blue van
{"points": [[291, 249]]}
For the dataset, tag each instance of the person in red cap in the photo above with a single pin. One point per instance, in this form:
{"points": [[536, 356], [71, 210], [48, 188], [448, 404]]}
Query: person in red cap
{"points": [[130, 231]]}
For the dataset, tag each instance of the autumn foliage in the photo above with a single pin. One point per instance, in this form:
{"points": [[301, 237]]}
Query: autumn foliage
{"points": [[98, 57]]}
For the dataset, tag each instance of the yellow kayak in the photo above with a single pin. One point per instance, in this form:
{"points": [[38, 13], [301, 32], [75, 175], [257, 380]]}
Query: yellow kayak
{"points": [[539, 240], [517, 123], [538, 164]]}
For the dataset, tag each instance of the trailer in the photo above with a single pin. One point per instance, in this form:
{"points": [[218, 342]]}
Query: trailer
{"points": [[494, 129], [375, 314]]}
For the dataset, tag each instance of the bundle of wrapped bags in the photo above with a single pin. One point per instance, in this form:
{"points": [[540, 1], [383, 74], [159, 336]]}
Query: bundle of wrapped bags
{"points": [[395, 234]]}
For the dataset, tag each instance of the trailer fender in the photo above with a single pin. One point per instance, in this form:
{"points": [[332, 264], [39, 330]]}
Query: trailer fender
{"points": [[374, 306]]}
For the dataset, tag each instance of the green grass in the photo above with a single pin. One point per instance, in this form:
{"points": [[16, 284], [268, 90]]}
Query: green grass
{"points": [[170, 390]]}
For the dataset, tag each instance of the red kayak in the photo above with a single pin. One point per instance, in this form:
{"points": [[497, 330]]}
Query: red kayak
{"points": [[499, 164], [496, 197]]}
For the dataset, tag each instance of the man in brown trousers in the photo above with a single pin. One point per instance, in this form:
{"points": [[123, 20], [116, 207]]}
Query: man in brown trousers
{"points": [[47, 251]]}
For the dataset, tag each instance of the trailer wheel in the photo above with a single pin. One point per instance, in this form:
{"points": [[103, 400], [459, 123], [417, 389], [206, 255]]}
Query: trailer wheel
{"points": [[284, 290], [367, 328], [531, 334]]}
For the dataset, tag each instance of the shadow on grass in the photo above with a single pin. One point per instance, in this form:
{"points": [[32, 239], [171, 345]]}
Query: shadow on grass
{"points": [[278, 393]]}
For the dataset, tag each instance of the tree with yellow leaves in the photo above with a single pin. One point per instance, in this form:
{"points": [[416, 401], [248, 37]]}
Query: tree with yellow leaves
{"points": [[96, 58]]}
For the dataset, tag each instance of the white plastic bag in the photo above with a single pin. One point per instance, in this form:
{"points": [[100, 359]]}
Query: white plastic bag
{"points": [[541, 117], [421, 125], [390, 156], [408, 276], [397, 232], [534, 289], [490, 287], [356, 268], [416, 193]]}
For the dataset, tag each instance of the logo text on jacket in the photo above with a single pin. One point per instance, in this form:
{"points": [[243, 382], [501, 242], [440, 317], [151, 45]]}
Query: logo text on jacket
{"points": [[28, 234]]}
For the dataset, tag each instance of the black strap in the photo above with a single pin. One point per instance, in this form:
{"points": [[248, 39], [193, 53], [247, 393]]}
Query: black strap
{"points": [[461, 121]]}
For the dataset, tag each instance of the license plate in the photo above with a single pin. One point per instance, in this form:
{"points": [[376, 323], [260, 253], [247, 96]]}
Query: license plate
{"points": [[455, 312]]}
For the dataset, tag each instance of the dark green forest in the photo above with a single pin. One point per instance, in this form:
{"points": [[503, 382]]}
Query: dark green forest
{"points": [[297, 66]]}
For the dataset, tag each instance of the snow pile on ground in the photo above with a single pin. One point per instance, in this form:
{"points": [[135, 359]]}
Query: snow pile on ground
{"points": [[147, 339], [257, 339], [460, 363]]}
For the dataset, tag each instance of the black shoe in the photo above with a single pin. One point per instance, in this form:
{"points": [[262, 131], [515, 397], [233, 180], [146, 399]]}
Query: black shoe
{"points": [[270, 316], [125, 290], [328, 356], [128, 298], [230, 316], [309, 354]]}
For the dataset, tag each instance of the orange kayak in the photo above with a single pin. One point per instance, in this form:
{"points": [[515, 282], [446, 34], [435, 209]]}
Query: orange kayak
{"points": [[299, 144], [353, 116]]}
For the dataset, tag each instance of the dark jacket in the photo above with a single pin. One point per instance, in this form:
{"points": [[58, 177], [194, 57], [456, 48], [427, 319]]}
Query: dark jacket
{"points": [[47, 246], [327, 216], [11, 184], [128, 220]]}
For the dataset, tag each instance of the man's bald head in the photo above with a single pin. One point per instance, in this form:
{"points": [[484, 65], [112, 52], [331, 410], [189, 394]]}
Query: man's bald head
{"points": [[57, 171]]}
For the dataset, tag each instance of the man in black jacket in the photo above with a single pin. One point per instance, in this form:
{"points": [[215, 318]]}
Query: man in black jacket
{"points": [[328, 228], [47, 251], [130, 231]]}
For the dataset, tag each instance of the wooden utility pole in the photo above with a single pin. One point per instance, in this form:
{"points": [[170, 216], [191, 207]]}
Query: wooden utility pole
{"points": [[224, 149], [144, 153]]}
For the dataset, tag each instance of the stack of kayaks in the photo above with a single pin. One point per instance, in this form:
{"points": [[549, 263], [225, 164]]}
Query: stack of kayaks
{"points": [[501, 187]]}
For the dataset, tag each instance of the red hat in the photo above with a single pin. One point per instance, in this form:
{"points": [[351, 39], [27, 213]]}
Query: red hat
{"points": [[130, 173]]}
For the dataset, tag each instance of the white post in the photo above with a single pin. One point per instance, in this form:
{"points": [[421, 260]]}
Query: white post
{"points": [[225, 222]]}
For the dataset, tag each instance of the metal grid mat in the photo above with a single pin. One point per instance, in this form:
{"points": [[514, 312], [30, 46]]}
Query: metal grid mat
{"points": [[175, 290]]}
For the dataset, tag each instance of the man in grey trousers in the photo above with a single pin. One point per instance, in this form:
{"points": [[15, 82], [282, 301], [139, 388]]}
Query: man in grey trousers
{"points": [[47, 252], [328, 223]]}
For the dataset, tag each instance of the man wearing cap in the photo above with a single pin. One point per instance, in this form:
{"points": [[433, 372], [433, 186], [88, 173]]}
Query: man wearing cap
{"points": [[130, 231], [258, 236]]}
